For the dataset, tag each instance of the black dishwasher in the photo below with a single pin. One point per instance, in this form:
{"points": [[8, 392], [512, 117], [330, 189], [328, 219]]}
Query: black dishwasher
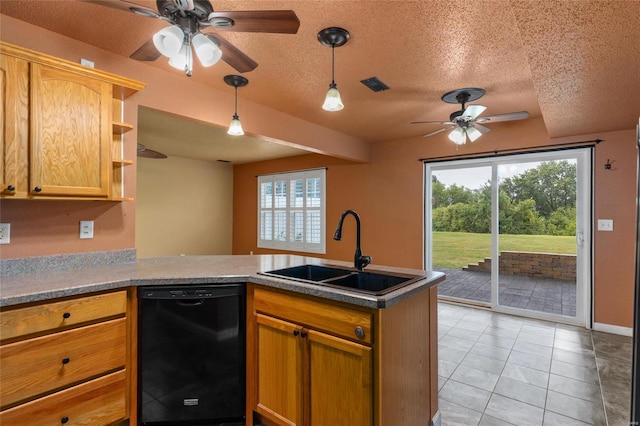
{"points": [[191, 354]]}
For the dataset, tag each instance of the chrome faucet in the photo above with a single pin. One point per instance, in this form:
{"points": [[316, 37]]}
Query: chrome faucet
{"points": [[359, 261]]}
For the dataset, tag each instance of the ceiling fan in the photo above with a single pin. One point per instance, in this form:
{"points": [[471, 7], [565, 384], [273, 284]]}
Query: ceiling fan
{"points": [[465, 123], [195, 22]]}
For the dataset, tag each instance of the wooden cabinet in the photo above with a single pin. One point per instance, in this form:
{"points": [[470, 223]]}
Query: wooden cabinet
{"points": [[309, 377], [65, 361], [63, 129], [280, 370], [14, 125], [315, 362]]}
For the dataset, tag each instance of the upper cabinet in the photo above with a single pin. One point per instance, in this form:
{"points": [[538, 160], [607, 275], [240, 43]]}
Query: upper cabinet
{"points": [[62, 128]]}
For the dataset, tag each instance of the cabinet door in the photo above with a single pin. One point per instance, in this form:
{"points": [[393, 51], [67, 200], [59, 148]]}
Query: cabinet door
{"points": [[14, 125], [280, 370], [340, 381], [70, 133]]}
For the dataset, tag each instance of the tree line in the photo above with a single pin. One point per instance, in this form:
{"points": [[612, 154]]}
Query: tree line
{"points": [[540, 201]]}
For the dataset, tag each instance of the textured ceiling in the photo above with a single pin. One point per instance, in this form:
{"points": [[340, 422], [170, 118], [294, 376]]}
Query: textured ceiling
{"points": [[575, 63]]}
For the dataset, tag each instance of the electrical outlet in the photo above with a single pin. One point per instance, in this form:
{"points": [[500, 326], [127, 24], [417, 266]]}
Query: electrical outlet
{"points": [[86, 229], [5, 233], [605, 224]]}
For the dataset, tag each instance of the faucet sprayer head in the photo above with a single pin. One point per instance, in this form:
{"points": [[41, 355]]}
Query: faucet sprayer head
{"points": [[338, 234]]}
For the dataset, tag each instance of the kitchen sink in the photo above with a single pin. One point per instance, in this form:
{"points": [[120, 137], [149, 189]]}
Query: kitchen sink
{"points": [[374, 283], [311, 272]]}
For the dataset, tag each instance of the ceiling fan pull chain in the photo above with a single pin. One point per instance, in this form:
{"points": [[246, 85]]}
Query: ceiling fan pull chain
{"points": [[189, 65]]}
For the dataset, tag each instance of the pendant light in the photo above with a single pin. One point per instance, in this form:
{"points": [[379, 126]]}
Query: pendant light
{"points": [[333, 37], [235, 127]]}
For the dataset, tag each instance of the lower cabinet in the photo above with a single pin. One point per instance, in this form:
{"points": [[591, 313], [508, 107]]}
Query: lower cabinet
{"points": [[96, 402], [309, 377], [65, 361], [316, 362]]}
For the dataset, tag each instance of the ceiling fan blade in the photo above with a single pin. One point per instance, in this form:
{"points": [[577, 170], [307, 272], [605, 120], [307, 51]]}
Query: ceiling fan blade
{"points": [[472, 111], [432, 122], [124, 5], [233, 56], [520, 115], [149, 153], [438, 131], [482, 129], [146, 52], [260, 21]]}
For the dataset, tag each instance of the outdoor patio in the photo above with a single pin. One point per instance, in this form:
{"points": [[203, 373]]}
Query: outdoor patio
{"points": [[516, 291]]}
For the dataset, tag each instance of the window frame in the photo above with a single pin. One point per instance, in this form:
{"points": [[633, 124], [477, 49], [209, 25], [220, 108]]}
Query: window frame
{"points": [[302, 207]]}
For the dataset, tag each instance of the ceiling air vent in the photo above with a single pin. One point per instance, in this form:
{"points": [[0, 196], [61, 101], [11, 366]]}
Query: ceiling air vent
{"points": [[374, 84]]}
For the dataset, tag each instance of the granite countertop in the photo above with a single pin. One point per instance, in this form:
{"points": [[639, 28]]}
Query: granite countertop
{"points": [[36, 287]]}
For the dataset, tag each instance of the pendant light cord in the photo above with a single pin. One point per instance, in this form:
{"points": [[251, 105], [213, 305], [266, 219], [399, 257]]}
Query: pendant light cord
{"points": [[235, 115], [333, 64]]}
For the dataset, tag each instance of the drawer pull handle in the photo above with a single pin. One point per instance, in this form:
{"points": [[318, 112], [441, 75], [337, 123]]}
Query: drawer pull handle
{"points": [[64, 420], [303, 334], [296, 332], [66, 315], [359, 332], [37, 189], [11, 188], [65, 360]]}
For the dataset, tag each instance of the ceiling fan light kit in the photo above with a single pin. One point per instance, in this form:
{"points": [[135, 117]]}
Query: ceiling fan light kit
{"points": [[176, 44], [193, 23], [333, 37], [464, 124], [235, 127]]}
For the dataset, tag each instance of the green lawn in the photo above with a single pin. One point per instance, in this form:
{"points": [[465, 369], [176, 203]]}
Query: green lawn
{"points": [[458, 249]]}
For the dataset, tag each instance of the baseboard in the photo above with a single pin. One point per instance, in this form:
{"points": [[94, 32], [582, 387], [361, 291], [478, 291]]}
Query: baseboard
{"points": [[613, 329], [437, 419]]}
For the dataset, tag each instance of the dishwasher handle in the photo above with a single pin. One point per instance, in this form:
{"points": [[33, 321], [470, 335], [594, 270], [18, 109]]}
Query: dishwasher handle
{"points": [[189, 303]]}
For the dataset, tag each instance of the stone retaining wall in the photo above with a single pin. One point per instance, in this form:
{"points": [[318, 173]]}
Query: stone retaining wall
{"points": [[536, 265]]}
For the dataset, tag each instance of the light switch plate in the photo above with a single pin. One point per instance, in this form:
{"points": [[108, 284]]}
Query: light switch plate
{"points": [[86, 229], [605, 224], [5, 233]]}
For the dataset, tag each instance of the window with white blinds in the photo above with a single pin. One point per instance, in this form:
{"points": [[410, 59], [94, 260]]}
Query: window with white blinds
{"points": [[291, 211]]}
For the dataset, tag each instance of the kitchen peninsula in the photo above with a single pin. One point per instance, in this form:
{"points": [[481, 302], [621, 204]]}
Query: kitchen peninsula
{"points": [[386, 345]]}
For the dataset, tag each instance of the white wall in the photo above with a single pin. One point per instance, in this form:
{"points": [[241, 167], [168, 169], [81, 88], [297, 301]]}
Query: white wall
{"points": [[183, 206]]}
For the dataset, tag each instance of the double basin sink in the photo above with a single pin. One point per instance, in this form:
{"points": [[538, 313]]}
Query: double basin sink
{"points": [[373, 283]]}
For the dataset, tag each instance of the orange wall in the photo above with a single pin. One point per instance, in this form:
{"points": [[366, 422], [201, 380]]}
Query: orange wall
{"points": [[387, 193]]}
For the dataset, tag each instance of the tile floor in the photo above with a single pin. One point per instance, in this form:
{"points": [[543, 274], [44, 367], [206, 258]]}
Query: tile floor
{"points": [[498, 369]]}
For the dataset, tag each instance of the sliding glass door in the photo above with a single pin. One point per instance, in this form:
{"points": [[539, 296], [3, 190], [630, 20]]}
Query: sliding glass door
{"points": [[461, 230], [513, 232]]}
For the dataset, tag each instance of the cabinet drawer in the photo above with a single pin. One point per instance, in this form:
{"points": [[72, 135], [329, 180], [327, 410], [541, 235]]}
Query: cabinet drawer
{"points": [[51, 316], [324, 316], [97, 402], [31, 367]]}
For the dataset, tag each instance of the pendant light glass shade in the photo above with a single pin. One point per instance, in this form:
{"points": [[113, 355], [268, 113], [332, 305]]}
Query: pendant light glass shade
{"points": [[235, 127], [169, 40], [332, 101], [206, 49]]}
